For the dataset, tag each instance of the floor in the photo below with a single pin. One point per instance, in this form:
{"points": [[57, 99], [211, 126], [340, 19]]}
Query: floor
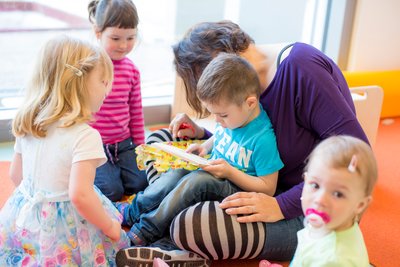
{"points": [[379, 223]]}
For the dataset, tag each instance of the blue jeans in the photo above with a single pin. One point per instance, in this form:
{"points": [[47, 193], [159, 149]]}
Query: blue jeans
{"points": [[281, 239], [120, 175], [152, 211], [149, 199]]}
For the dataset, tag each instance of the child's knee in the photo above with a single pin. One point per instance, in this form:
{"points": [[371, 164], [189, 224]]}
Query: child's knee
{"points": [[198, 179]]}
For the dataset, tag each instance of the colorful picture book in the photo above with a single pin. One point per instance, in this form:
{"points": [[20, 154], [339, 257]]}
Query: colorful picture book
{"points": [[191, 158]]}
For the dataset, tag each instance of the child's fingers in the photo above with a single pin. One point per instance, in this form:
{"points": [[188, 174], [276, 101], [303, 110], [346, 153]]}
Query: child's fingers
{"points": [[192, 148]]}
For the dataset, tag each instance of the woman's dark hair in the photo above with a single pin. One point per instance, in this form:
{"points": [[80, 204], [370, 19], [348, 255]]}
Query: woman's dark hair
{"points": [[199, 46], [113, 13]]}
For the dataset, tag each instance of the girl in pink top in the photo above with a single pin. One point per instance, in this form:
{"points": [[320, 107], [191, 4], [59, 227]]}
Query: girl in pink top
{"points": [[120, 119]]}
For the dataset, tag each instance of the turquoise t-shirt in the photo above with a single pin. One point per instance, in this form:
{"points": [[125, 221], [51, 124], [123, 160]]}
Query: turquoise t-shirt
{"points": [[251, 149], [345, 248]]}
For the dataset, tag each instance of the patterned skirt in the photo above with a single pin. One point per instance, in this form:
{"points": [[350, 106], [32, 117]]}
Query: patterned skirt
{"points": [[54, 234]]}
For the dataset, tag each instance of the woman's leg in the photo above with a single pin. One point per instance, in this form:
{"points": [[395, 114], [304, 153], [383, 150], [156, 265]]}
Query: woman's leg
{"points": [[281, 239], [162, 135], [207, 230]]}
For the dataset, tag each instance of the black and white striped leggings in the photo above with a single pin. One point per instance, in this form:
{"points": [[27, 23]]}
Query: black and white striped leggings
{"points": [[206, 229]]}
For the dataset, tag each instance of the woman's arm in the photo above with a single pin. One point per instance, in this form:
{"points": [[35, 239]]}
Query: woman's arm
{"points": [[86, 201], [317, 104]]}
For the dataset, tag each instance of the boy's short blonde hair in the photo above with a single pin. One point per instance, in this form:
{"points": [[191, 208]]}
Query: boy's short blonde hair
{"points": [[58, 87]]}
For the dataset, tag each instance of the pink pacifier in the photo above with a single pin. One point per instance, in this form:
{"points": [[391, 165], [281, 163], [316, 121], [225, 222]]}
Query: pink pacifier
{"points": [[265, 263], [316, 222]]}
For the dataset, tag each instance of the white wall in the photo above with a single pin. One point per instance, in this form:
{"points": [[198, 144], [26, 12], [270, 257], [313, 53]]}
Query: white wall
{"points": [[375, 42]]}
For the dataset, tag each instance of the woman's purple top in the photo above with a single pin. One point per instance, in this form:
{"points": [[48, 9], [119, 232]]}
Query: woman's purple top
{"points": [[307, 101]]}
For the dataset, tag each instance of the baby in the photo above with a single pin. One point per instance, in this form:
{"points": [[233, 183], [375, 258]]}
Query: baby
{"points": [[338, 183]]}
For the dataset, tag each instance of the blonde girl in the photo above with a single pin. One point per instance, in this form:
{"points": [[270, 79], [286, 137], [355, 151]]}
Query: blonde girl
{"points": [[55, 216]]}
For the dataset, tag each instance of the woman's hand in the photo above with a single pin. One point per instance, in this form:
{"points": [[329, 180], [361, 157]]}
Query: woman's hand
{"points": [[189, 130], [255, 207], [114, 231]]}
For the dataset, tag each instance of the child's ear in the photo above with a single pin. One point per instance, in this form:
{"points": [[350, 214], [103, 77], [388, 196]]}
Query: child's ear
{"points": [[96, 31], [252, 101], [363, 205]]}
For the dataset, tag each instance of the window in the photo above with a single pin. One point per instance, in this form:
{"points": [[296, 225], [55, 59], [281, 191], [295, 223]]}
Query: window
{"points": [[24, 27]]}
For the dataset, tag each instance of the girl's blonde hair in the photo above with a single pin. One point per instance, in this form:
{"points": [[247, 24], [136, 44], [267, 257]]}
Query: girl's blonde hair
{"points": [[338, 152], [58, 88]]}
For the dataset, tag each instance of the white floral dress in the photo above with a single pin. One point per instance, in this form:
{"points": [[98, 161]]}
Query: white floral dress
{"points": [[39, 226]]}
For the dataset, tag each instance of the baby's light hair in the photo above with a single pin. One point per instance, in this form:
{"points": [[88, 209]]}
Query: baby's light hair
{"points": [[340, 151], [58, 89]]}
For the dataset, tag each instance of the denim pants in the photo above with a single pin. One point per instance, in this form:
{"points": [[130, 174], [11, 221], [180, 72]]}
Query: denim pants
{"points": [[152, 211], [120, 175]]}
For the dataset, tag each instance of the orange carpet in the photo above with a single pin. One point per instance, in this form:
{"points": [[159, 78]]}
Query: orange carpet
{"points": [[380, 224]]}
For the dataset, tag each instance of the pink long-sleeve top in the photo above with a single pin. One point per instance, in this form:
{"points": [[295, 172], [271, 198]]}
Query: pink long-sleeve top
{"points": [[121, 115]]}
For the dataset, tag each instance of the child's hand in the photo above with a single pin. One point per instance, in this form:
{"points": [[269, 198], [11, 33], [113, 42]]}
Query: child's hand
{"points": [[114, 232], [197, 149], [219, 168]]}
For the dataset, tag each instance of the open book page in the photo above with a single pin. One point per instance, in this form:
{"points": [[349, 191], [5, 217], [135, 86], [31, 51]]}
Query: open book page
{"points": [[192, 158]]}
